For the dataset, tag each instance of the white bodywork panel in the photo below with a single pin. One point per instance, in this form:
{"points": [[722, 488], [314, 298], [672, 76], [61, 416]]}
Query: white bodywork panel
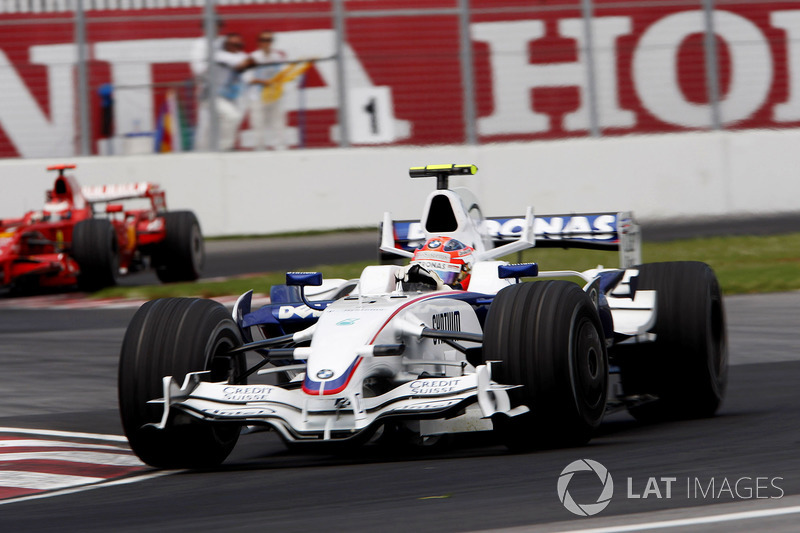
{"points": [[326, 291], [431, 376], [635, 316], [485, 278], [470, 226]]}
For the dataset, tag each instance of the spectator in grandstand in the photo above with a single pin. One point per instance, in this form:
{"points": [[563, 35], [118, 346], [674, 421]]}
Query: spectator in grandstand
{"points": [[230, 62], [264, 91]]}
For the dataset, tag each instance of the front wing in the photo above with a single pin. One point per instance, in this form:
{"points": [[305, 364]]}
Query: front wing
{"points": [[299, 416]]}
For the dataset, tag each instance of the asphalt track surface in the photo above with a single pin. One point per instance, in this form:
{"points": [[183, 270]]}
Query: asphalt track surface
{"points": [[59, 373]]}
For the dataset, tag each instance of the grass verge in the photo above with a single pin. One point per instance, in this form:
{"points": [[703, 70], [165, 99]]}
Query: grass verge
{"points": [[742, 264]]}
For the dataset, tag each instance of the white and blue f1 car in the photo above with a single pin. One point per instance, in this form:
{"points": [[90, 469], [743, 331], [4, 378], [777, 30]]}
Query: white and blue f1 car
{"points": [[453, 342]]}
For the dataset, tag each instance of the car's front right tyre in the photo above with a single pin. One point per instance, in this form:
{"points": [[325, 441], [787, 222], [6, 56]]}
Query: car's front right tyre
{"points": [[172, 337]]}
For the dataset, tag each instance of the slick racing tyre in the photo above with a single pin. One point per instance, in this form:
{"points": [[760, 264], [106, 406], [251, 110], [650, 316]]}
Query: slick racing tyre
{"points": [[181, 255], [95, 249], [548, 338], [686, 367], [171, 337]]}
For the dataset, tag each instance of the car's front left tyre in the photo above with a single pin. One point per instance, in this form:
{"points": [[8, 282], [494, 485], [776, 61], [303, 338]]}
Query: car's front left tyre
{"points": [[547, 337]]}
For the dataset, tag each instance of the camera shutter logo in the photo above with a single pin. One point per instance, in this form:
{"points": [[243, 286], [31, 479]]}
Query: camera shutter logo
{"points": [[586, 509]]}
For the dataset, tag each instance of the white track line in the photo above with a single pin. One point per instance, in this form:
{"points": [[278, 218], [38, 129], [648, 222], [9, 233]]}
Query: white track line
{"points": [[33, 443], [97, 458], [684, 522], [85, 488], [42, 481], [71, 434]]}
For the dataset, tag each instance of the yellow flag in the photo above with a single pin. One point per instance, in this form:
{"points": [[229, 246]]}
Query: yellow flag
{"points": [[274, 90]]}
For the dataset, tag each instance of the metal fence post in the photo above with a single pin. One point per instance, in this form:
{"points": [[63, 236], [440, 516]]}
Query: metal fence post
{"points": [[342, 112], [467, 73], [83, 80], [587, 10], [210, 31], [712, 66]]}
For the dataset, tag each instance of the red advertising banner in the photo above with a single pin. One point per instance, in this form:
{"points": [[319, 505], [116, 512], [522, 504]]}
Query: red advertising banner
{"points": [[652, 68]]}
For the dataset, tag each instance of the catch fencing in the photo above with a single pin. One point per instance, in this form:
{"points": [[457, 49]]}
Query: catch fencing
{"points": [[83, 77]]}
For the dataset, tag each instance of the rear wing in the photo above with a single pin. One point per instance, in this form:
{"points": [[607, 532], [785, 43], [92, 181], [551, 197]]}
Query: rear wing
{"points": [[594, 231], [126, 191]]}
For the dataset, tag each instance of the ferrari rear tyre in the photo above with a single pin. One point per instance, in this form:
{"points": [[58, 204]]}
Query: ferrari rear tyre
{"points": [[686, 367], [171, 337], [95, 249], [548, 338], [181, 255]]}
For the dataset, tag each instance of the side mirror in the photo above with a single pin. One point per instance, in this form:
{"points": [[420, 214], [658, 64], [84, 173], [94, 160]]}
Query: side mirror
{"points": [[304, 279], [522, 270]]}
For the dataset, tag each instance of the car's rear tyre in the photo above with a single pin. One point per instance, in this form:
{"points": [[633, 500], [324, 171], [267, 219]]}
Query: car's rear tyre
{"points": [[171, 337], [181, 255], [687, 365], [549, 339], [95, 249]]}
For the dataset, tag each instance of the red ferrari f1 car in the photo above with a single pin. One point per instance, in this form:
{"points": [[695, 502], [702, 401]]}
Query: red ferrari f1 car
{"points": [[85, 237]]}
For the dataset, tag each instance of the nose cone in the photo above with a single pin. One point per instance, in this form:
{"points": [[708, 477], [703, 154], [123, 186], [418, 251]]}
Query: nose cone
{"points": [[328, 381], [342, 330]]}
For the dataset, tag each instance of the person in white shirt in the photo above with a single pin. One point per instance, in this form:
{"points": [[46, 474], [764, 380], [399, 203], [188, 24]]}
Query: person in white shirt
{"points": [[264, 91], [230, 62], [198, 55], [198, 63]]}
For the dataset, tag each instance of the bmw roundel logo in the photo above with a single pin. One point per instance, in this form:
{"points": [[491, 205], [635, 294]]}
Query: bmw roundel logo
{"points": [[432, 245], [325, 373]]}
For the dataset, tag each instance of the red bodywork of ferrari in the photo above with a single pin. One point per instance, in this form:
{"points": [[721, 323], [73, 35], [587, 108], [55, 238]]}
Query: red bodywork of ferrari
{"points": [[38, 248]]}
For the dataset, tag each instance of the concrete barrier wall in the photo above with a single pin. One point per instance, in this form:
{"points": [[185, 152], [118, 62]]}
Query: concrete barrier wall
{"points": [[658, 177]]}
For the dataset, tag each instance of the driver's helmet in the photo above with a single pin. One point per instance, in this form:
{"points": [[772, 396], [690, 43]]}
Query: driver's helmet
{"points": [[449, 258], [57, 198]]}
